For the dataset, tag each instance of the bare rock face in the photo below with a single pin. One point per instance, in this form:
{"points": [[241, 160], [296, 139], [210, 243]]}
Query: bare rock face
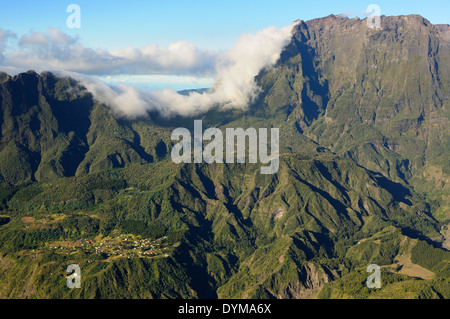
{"points": [[446, 236], [379, 96], [312, 280], [444, 31]]}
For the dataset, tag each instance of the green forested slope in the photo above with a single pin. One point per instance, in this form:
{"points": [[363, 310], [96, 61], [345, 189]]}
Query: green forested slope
{"points": [[363, 178]]}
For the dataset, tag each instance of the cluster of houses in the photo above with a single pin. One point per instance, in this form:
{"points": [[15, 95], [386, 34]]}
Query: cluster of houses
{"points": [[118, 246]]}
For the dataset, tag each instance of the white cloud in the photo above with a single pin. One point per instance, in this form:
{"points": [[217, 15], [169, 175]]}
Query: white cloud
{"points": [[178, 58], [251, 54], [234, 70], [4, 36], [55, 50], [234, 87]]}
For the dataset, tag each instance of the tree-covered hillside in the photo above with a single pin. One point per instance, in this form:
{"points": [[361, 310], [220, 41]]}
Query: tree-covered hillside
{"points": [[363, 179]]}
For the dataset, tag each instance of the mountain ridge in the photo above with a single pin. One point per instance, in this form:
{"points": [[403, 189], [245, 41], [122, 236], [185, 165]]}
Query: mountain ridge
{"points": [[363, 179]]}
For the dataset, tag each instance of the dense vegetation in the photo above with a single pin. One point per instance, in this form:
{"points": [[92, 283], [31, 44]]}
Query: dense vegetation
{"points": [[363, 179]]}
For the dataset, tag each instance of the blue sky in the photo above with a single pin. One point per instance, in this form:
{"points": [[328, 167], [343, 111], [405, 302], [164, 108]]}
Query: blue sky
{"points": [[209, 24], [175, 43]]}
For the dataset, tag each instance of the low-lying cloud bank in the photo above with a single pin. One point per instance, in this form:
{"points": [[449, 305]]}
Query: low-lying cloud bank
{"points": [[234, 70], [56, 50]]}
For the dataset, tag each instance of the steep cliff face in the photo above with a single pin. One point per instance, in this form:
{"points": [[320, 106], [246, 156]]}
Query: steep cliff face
{"points": [[312, 281], [377, 96]]}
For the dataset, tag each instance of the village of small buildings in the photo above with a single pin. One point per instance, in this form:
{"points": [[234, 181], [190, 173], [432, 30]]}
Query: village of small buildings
{"points": [[120, 246], [105, 248]]}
